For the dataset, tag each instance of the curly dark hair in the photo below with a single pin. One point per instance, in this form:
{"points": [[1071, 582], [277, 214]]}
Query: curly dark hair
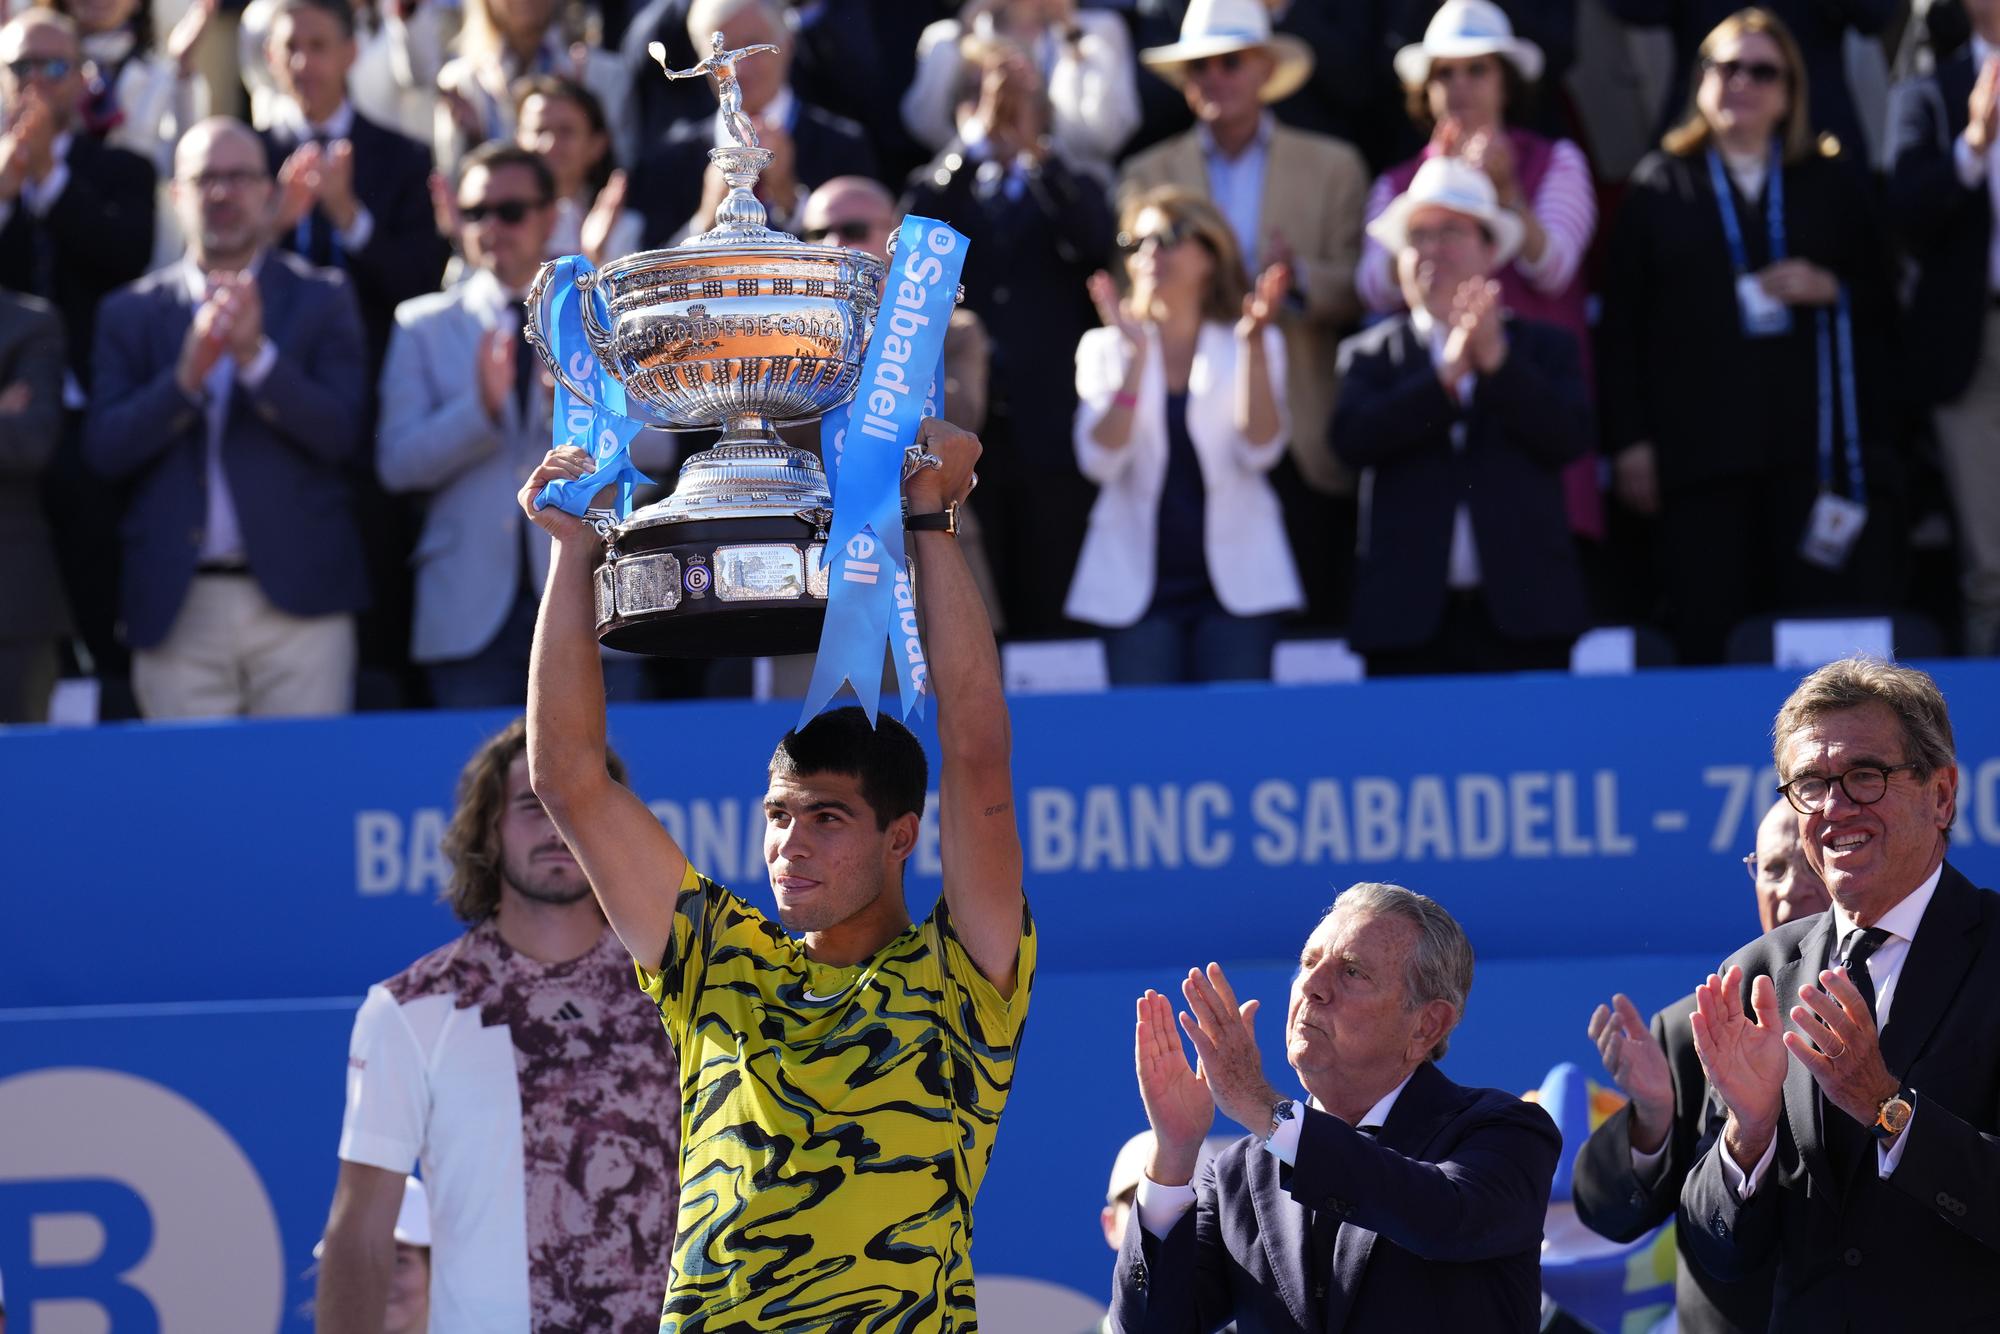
{"points": [[472, 840]]}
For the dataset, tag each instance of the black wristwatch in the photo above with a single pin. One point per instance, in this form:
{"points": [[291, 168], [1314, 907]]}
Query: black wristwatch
{"points": [[941, 521], [1283, 1110]]}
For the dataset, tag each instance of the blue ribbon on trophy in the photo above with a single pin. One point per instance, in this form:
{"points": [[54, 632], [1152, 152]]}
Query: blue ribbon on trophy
{"points": [[602, 428], [869, 605]]}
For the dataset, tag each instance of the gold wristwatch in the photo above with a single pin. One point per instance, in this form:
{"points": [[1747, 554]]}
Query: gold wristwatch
{"points": [[1892, 1115]]}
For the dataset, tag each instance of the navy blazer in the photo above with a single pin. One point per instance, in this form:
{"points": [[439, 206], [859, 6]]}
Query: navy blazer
{"points": [[287, 446], [405, 256], [1613, 1201], [666, 189], [1441, 1226], [1946, 227], [1920, 1250], [1393, 422]]}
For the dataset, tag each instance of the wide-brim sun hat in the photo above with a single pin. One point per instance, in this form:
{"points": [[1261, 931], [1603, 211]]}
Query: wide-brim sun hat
{"points": [[1462, 29], [1217, 27], [1454, 184]]}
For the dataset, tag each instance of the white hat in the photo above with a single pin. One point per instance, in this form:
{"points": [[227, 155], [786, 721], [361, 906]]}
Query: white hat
{"points": [[1217, 27], [1462, 29], [1130, 1165], [413, 1218], [1450, 183]]}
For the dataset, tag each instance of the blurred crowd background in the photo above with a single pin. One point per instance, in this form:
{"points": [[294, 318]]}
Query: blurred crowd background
{"points": [[1448, 331]]}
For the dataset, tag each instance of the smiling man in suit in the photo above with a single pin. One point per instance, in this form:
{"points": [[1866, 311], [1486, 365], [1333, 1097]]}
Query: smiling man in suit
{"points": [[1859, 1147], [1392, 1200], [229, 394]]}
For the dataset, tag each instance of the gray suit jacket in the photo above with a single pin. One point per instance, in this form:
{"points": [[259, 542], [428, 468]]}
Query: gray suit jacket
{"points": [[31, 353]]}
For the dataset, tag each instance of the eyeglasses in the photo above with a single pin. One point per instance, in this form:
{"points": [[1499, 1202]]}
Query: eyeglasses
{"points": [[48, 67], [241, 178], [1228, 62], [851, 232], [509, 211], [1760, 72], [1131, 243], [1864, 786], [1442, 233]]}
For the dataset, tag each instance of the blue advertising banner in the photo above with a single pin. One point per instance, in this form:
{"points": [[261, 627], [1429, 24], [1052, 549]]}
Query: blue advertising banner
{"points": [[193, 912]]}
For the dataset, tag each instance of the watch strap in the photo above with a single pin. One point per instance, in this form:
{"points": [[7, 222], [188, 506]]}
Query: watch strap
{"points": [[939, 521]]}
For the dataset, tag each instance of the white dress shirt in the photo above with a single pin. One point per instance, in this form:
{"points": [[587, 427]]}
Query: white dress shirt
{"points": [[1160, 1207], [222, 535], [1462, 569], [1975, 167], [1885, 969], [1236, 186]]}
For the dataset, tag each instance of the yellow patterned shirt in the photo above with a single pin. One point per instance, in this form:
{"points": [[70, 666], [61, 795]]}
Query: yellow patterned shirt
{"points": [[835, 1122]]}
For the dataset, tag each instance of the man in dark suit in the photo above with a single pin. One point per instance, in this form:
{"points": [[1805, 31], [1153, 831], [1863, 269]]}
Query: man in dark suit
{"points": [[231, 390], [1395, 1200], [1462, 420], [809, 146], [1629, 1174], [352, 194], [1860, 1149], [33, 613], [1941, 199]]}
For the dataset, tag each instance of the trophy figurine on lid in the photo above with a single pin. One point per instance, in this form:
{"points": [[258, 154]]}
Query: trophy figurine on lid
{"points": [[740, 328]]}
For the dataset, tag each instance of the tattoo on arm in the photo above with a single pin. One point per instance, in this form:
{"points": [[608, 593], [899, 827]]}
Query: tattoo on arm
{"points": [[1001, 809]]}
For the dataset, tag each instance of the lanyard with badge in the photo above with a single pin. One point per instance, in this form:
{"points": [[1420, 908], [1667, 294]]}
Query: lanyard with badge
{"points": [[1836, 520]]}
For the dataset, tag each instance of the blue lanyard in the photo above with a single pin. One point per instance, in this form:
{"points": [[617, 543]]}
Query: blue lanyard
{"points": [[1774, 207], [1849, 419]]}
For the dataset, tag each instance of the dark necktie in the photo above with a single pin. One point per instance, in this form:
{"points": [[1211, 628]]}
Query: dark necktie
{"points": [[315, 235], [1854, 952], [524, 378]]}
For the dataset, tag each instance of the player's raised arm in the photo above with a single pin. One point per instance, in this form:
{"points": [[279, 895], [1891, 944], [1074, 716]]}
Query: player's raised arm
{"points": [[628, 856], [980, 845]]}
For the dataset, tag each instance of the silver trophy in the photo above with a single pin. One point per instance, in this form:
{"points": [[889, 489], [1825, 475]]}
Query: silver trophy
{"points": [[745, 329]]}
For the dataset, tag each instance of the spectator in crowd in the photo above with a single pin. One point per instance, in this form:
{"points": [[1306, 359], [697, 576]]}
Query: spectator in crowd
{"points": [[1463, 80], [136, 97], [1082, 56], [1550, 26], [34, 615], [76, 214], [504, 40], [1941, 192], [1291, 198], [1746, 305], [1880, 1101], [1038, 230], [1180, 416], [407, 1307], [809, 146], [1629, 1175], [230, 394], [352, 194], [1818, 29], [892, 1138], [513, 1064], [465, 419], [399, 49], [1391, 1190], [562, 122], [657, 104], [1462, 419]]}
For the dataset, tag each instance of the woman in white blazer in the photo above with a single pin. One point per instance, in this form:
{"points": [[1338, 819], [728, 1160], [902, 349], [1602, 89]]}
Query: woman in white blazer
{"points": [[1180, 417]]}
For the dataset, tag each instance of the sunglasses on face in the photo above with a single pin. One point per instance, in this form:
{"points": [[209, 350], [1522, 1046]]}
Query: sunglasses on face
{"points": [[1163, 238], [1760, 72], [510, 211], [851, 232], [48, 67], [1228, 62]]}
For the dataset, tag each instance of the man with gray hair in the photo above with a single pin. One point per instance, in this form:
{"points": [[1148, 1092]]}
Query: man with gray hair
{"points": [[1391, 1199], [1860, 1151]]}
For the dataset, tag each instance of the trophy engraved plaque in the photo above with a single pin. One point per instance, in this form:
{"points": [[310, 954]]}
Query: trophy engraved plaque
{"points": [[743, 329]]}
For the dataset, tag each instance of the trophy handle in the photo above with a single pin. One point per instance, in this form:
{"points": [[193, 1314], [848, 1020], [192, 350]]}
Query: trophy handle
{"points": [[535, 322]]}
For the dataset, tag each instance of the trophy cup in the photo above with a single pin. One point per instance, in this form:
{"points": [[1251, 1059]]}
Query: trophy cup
{"points": [[741, 328]]}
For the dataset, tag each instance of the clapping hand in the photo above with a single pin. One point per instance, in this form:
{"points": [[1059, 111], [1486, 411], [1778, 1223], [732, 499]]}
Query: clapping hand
{"points": [[1635, 1062], [185, 39], [595, 233], [495, 370], [1175, 1094], [1262, 302], [1477, 341], [1744, 1058], [1844, 1053], [1220, 1028], [1493, 153], [1799, 282], [1115, 313], [1982, 124]]}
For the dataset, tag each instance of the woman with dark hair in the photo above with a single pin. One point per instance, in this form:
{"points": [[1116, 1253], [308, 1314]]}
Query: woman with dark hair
{"points": [[1746, 301], [1180, 418], [136, 97], [562, 122], [1469, 82]]}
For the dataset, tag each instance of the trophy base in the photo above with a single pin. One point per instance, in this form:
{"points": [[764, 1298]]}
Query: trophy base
{"points": [[715, 589]]}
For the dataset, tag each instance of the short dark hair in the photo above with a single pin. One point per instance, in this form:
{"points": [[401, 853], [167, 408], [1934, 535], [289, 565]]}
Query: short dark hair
{"points": [[340, 11], [497, 153], [887, 758], [561, 88]]}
